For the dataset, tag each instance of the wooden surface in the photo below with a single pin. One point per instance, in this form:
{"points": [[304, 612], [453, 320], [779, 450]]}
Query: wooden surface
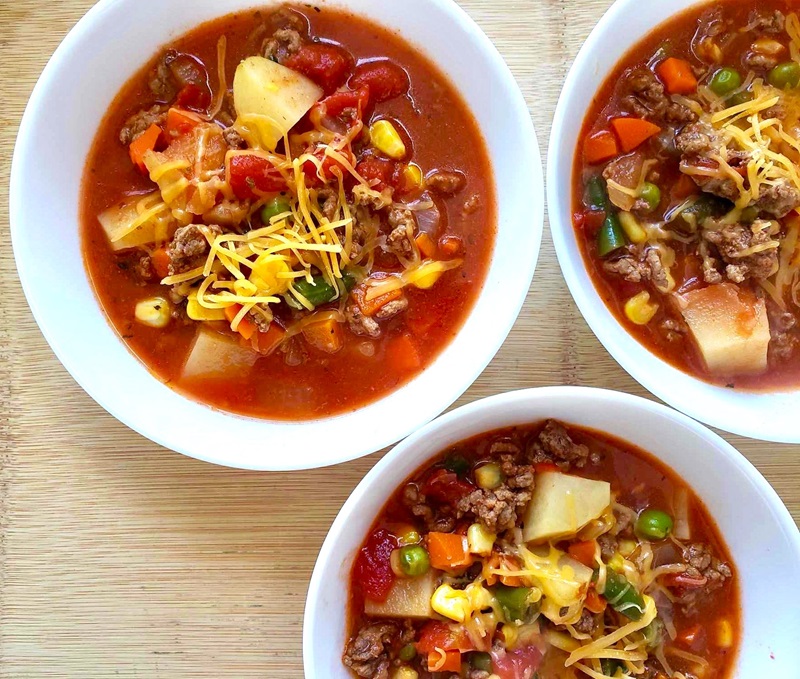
{"points": [[121, 559]]}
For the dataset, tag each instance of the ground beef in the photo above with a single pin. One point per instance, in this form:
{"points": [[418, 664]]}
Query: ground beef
{"points": [[328, 201], [779, 199], [361, 324], [370, 198], [755, 59], [228, 213], [284, 43], [404, 226], [391, 309], [703, 566], [608, 546], [368, 653], [658, 274], [732, 239], [767, 21], [144, 269], [162, 84], [472, 673], [471, 205], [674, 330], [233, 138], [698, 139], [643, 95], [137, 124], [635, 270], [441, 520], [555, 445], [498, 510], [188, 248], [446, 182], [588, 623]]}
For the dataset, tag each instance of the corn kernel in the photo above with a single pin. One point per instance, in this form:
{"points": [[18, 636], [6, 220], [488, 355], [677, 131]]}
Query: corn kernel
{"points": [[155, 312], [627, 547], [617, 563], [199, 313], [724, 633], [451, 603], [267, 271], [386, 138], [412, 175], [489, 476], [480, 540], [633, 230], [405, 673], [639, 310], [427, 281]]}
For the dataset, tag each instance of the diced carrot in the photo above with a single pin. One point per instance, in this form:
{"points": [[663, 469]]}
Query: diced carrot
{"points": [[504, 562], [372, 306], [600, 147], [684, 187], [583, 552], [444, 661], [326, 335], [451, 246], [633, 132], [677, 76], [180, 122], [160, 260], [247, 328], [541, 467], [594, 602], [268, 342], [690, 635], [448, 551], [144, 143], [402, 354], [426, 245]]}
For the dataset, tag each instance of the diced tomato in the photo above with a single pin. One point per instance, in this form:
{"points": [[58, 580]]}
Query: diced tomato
{"points": [[379, 172], [327, 65], [519, 664], [373, 569], [402, 354], [385, 79], [250, 173], [451, 662], [436, 634], [181, 122], [338, 103], [445, 487], [583, 552], [194, 97], [330, 167], [589, 220]]}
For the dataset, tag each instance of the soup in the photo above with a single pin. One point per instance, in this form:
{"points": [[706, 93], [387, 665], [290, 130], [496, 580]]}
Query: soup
{"points": [[543, 551], [686, 193], [288, 213]]}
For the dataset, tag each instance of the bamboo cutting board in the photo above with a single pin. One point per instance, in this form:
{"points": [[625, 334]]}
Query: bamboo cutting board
{"points": [[121, 559]]}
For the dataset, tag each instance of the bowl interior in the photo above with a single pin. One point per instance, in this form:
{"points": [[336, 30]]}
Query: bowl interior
{"points": [[764, 415], [763, 539], [65, 110]]}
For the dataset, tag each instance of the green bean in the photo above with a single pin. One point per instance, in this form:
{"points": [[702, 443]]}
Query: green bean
{"points": [[653, 633], [749, 214], [481, 661], [407, 653], [785, 75], [609, 666], [515, 604], [414, 561], [457, 464], [653, 524], [725, 81], [274, 207], [596, 195], [651, 195], [740, 98], [622, 595], [610, 237], [318, 292]]}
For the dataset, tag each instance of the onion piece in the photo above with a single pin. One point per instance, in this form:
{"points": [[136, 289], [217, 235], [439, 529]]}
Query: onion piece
{"points": [[682, 529]]}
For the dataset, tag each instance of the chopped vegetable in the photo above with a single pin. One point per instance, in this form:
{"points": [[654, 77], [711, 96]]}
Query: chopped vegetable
{"points": [[480, 539], [373, 569], [387, 139], [610, 237], [633, 132], [405, 673], [489, 476], [414, 561], [639, 310], [181, 122], [725, 81], [600, 147], [724, 633], [677, 76], [412, 175], [142, 144], [516, 604], [633, 230], [402, 354], [651, 195], [326, 335], [385, 80], [481, 661], [623, 596], [438, 634], [407, 653], [251, 176], [444, 661], [161, 261], [594, 602], [596, 194], [653, 524], [583, 552], [785, 76], [426, 245], [216, 355], [197, 312], [246, 326], [274, 207], [267, 342], [155, 312], [327, 65], [404, 598], [458, 464], [448, 551], [317, 292]]}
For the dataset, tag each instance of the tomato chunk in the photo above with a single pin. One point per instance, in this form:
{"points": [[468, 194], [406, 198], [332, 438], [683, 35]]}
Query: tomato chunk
{"points": [[194, 97], [373, 570], [517, 664], [331, 167], [327, 65], [385, 79], [436, 634], [353, 103], [251, 175], [445, 487], [380, 173]]}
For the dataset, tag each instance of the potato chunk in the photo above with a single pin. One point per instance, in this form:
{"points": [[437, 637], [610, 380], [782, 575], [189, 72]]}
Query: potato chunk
{"points": [[730, 327], [562, 504], [409, 598], [216, 355], [123, 215], [270, 99]]}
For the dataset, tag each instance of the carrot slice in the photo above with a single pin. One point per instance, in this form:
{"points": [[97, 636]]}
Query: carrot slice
{"points": [[600, 147], [633, 132], [247, 328], [326, 335], [677, 76], [180, 122], [372, 306], [268, 342], [426, 245], [583, 552], [451, 246], [594, 602], [444, 661], [448, 551], [402, 354], [144, 143], [161, 261]]}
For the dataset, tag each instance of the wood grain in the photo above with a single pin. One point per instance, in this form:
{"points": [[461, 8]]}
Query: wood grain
{"points": [[121, 559]]}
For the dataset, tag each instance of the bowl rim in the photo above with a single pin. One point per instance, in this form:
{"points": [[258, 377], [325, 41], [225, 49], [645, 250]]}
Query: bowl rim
{"points": [[373, 438], [327, 557], [713, 404]]}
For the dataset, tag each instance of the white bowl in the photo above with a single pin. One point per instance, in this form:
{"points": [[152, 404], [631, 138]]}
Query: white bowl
{"points": [[763, 540], [113, 40], [762, 415]]}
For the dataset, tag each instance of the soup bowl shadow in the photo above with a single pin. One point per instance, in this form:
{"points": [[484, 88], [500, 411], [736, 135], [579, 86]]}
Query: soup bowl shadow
{"points": [[73, 94]]}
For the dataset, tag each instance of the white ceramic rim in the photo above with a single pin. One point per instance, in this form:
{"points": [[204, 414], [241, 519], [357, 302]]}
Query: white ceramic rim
{"points": [[759, 415], [331, 562], [198, 433]]}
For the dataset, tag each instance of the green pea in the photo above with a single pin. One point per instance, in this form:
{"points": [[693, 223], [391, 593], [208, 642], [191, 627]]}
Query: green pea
{"points": [[651, 195], [611, 237], [318, 292], [515, 604], [596, 195], [407, 653], [274, 207], [653, 524], [481, 661], [785, 75], [414, 561], [457, 464], [725, 81], [740, 98], [622, 596]]}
